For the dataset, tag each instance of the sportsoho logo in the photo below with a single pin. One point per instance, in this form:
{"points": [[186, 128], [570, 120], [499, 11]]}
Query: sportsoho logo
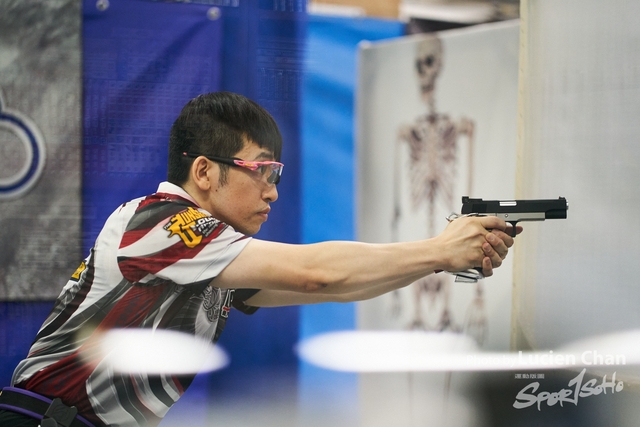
{"points": [[22, 129]]}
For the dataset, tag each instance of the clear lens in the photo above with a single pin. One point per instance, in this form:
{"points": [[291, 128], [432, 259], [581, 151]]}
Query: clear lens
{"points": [[273, 173]]}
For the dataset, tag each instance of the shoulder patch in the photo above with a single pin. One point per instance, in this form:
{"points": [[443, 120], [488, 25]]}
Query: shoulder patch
{"points": [[191, 226]]}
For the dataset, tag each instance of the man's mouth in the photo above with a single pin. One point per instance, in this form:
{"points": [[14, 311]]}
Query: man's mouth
{"points": [[265, 212]]}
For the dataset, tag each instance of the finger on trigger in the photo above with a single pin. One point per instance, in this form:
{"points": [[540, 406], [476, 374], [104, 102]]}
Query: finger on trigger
{"points": [[492, 222]]}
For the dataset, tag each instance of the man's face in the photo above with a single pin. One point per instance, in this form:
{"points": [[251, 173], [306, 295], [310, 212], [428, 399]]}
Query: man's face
{"points": [[243, 202]]}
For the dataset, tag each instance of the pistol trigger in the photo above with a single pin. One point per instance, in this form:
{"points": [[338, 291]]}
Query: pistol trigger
{"points": [[513, 228]]}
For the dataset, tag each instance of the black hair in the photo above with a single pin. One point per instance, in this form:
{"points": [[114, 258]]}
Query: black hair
{"points": [[219, 124]]}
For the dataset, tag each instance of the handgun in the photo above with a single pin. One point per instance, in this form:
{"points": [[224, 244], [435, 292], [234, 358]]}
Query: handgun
{"points": [[511, 211], [514, 211]]}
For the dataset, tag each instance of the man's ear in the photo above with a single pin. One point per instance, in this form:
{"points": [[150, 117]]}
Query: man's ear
{"points": [[204, 173]]}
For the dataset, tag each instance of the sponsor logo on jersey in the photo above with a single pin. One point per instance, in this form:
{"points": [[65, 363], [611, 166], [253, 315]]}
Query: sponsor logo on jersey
{"points": [[214, 305], [76, 276], [191, 226]]}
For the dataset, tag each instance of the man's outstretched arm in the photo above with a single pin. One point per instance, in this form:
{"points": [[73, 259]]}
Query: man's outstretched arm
{"points": [[348, 271]]}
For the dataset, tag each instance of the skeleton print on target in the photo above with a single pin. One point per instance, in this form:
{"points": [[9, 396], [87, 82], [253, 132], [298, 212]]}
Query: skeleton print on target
{"points": [[428, 156]]}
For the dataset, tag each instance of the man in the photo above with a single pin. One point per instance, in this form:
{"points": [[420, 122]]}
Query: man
{"points": [[180, 258]]}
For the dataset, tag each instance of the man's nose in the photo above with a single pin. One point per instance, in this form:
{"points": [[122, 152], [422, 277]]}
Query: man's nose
{"points": [[271, 193]]}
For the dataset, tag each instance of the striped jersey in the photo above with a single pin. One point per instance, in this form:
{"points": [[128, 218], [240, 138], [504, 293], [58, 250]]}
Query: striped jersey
{"points": [[149, 268]]}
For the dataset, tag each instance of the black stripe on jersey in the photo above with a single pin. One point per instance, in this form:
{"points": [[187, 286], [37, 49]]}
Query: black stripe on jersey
{"points": [[174, 309], [150, 215], [129, 401], [68, 310], [155, 383]]}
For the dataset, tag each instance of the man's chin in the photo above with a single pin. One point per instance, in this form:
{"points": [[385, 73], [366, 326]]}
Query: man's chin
{"points": [[252, 231], [249, 228]]}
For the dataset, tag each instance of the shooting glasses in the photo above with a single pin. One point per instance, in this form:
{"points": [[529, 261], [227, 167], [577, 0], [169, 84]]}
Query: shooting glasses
{"points": [[270, 170]]}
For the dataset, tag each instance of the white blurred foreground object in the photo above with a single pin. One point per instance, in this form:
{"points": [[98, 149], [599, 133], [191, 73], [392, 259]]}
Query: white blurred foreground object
{"points": [[159, 352], [380, 351], [415, 351]]}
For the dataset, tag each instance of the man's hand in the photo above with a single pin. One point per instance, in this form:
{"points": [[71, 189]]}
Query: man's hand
{"points": [[470, 242], [496, 248]]}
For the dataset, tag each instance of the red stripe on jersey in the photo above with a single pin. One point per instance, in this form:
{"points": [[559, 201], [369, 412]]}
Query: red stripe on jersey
{"points": [[133, 308], [130, 237], [178, 384], [135, 268], [150, 200]]}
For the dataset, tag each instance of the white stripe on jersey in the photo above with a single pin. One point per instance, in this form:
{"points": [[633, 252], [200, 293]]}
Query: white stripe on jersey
{"points": [[103, 396], [153, 242], [209, 263]]}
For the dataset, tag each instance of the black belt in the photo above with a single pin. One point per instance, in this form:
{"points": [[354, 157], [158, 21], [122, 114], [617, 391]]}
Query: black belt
{"points": [[53, 413]]}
